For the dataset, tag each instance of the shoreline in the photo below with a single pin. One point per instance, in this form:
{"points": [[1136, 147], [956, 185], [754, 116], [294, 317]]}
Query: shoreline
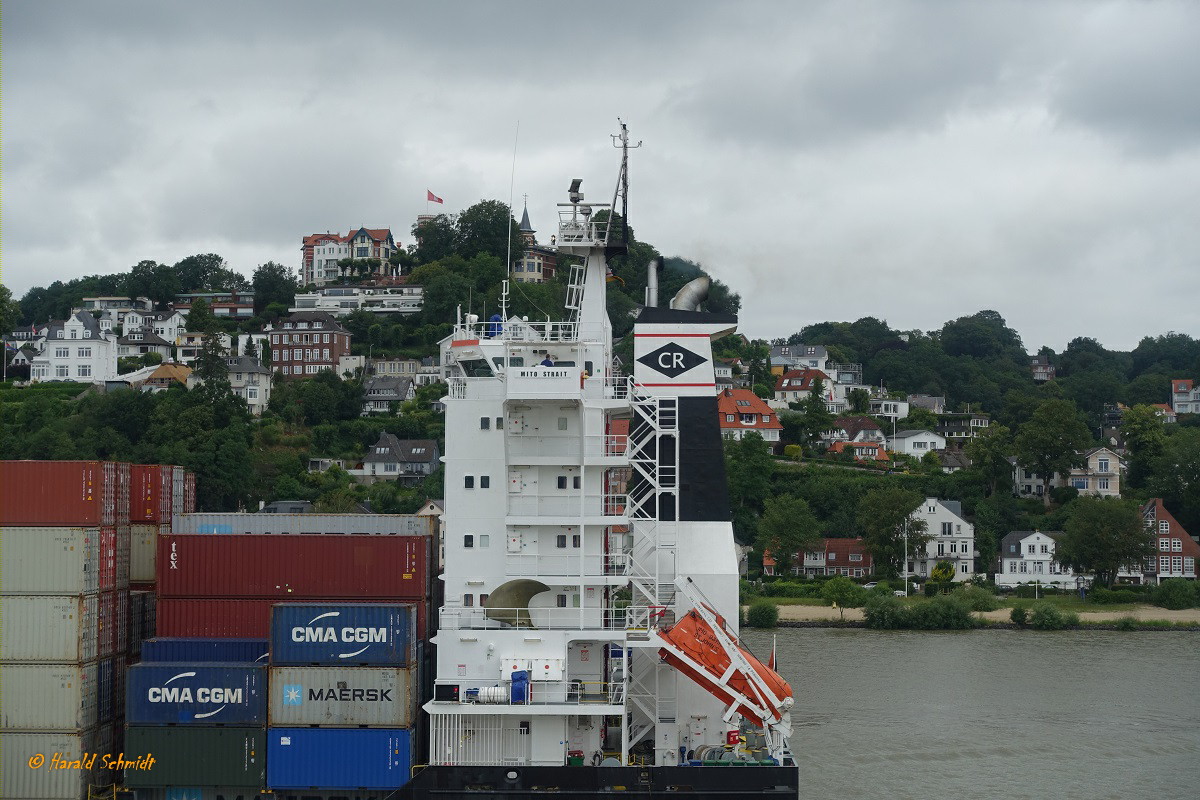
{"points": [[1153, 617]]}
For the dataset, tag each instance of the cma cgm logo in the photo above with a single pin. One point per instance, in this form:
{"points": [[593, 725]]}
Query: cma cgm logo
{"points": [[331, 633], [204, 695], [672, 360]]}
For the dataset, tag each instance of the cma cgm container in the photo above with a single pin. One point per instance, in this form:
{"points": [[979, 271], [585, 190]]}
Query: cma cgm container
{"points": [[236, 618], [196, 694], [196, 755], [289, 567], [350, 633], [150, 493], [306, 524], [58, 493], [49, 697], [190, 649], [331, 758], [48, 628], [143, 549], [373, 697], [52, 560], [51, 781]]}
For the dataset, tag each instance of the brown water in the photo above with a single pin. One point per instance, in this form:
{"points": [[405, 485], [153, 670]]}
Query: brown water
{"points": [[992, 714]]}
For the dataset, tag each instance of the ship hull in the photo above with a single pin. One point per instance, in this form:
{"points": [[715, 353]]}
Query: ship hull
{"points": [[515, 783]]}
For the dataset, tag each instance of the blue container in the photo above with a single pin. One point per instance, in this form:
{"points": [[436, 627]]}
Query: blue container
{"points": [[347, 758], [105, 691], [196, 694], [230, 651], [347, 633]]}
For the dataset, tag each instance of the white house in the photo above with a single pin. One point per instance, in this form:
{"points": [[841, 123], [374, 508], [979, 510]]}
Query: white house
{"points": [[380, 391], [952, 539], [1100, 476], [76, 350], [742, 411], [915, 443], [119, 307], [249, 379], [786, 357], [403, 460], [1185, 397], [166, 325], [887, 408], [1028, 556], [140, 341]]}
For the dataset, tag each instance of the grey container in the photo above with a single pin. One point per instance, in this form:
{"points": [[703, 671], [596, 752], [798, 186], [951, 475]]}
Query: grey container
{"points": [[49, 697], [342, 697], [143, 546], [49, 560], [49, 629], [301, 524], [19, 780]]}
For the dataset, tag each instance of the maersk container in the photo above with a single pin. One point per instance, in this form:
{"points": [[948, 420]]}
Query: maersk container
{"points": [[47, 628], [306, 524], [51, 560], [82, 493], [143, 549], [290, 567], [350, 633], [150, 493], [238, 618], [331, 758], [348, 697], [192, 649], [51, 781], [196, 694], [196, 755], [49, 697]]}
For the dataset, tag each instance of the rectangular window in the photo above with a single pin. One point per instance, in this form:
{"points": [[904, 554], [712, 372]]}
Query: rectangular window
{"points": [[1012, 567], [561, 601], [468, 540], [575, 540], [954, 547], [1164, 563], [1102, 465], [85, 352], [1102, 483], [729, 417], [392, 467], [941, 548], [469, 481], [326, 353], [1164, 527], [325, 338], [1164, 544], [85, 370], [1189, 565], [251, 392], [62, 352], [1024, 567], [485, 481], [1032, 549], [499, 423], [947, 528], [485, 540], [61, 371], [560, 541], [485, 423], [562, 423], [575, 482], [856, 556], [468, 601], [1177, 545], [562, 481], [1176, 563], [287, 370], [1045, 548]]}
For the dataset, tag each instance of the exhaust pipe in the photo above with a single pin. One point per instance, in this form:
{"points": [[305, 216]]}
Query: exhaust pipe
{"points": [[652, 269], [692, 294]]}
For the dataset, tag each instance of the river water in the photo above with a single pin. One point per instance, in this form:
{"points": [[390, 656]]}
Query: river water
{"points": [[992, 714]]}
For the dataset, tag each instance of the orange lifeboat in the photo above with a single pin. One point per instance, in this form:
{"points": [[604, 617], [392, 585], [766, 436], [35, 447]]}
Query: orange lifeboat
{"points": [[696, 650]]}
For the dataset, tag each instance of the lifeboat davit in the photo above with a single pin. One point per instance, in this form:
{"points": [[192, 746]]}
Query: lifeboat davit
{"points": [[693, 647]]}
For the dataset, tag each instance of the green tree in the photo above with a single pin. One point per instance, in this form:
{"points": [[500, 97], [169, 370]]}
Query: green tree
{"points": [[787, 527], [942, 572], [860, 401], [274, 283], [10, 311], [989, 452], [200, 318], [748, 471], [884, 516], [159, 282], [815, 415], [435, 239], [1145, 437], [199, 273], [1052, 441], [1175, 476], [488, 227], [843, 593], [919, 419], [1101, 536]]}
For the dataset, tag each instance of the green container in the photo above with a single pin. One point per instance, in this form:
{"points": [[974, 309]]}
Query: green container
{"points": [[574, 761], [196, 756]]}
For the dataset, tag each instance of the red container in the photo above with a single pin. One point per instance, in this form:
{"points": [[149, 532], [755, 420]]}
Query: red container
{"points": [[242, 618], [189, 493], [123, 490], [178, 489], [107, 572], [150, 499], [70, 493], [291, 567]]}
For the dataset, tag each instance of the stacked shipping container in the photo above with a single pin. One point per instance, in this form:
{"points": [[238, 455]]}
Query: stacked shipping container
{"points": [[68, 620]]}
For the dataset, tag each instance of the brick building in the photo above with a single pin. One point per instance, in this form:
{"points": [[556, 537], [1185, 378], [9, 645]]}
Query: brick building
{"points": [[308, 342]]}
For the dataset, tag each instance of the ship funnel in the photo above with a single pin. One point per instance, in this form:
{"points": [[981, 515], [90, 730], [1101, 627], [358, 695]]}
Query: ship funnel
{"points": [[692, 294], [509, 602], [652, 269]]}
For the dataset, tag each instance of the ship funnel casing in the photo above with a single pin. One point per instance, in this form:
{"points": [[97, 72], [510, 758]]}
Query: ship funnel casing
{"points": [[693, 293], [509, 602]]}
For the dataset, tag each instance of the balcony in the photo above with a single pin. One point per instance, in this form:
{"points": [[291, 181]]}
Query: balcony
{"points": [[540, 693], [571, 506], [553, 619]]}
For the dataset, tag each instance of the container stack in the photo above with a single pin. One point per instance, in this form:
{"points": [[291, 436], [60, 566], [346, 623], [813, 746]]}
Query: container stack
{"points": [[64, 581], [343, 702]]}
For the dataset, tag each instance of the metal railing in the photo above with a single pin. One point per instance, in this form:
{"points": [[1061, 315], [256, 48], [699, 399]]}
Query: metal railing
{"points": [[556, 619], [535, 564], [567, 505], [515, 330], [541, 693]]}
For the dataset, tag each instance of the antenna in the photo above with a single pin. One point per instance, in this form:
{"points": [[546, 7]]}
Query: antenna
{"points": [[511, 178], [621, 140]]}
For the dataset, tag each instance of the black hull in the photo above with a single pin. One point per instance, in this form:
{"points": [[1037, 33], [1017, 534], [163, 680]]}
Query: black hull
{"points": [[472, 783]]}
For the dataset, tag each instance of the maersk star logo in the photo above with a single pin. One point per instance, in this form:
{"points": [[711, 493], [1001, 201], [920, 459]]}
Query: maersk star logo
{"points": [[672, 360], [293, 694]]}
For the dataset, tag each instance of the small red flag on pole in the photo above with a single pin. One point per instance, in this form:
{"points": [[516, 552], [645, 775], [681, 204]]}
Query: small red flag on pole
{"points": [[430, 197]]}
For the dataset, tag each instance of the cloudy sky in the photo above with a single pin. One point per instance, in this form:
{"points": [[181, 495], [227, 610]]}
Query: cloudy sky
{"points": [[910, 161]]}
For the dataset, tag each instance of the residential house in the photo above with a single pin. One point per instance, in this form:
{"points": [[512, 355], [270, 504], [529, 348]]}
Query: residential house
{"points": [[321, 252], [953, 460], [788, 357], [287, 507], [342, 301], [349, 366], [76, 350], [537, 263], [1028, 556], [738, 371], [794, 386], [190, 343], [929, 402], [854, 429], [248, 378], [952, 539], [166, 325], [430, 372], [889, 408], [381, 391], [1185, 397], [165, 376], [1176, 553], [118, 306], [140, 341], [915, 443], [724, 375], [1041, 368], [849, 557], [402, 367], [741, 411], [958, 428], [404, 460], [1166, 413], [1100, 475], [306, 343], [862, 451], [224, 305]]}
